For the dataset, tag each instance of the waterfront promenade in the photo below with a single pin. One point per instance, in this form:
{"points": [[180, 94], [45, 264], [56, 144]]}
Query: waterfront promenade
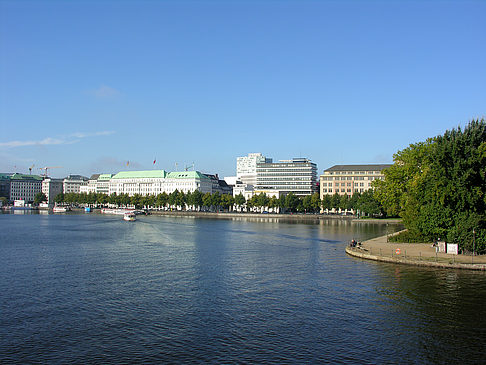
{"points": [[420, 254]]}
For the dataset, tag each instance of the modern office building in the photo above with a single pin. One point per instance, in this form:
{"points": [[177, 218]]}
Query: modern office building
{"points": [[73, 183], [350, 179], [51, 188], [246, 167], [297, 176], [24, 187]]}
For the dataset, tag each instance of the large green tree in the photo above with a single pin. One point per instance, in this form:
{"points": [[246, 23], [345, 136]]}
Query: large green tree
{"points": [[439, 187], [39, 198]]}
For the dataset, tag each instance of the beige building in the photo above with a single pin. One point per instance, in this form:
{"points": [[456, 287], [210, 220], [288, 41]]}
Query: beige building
{"points": [[350, 179], [51, 188]]}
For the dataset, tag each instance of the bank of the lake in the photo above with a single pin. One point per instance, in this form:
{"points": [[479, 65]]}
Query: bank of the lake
{"points": [[419, 254]]}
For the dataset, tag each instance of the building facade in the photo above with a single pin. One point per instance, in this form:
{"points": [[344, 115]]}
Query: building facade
{"points": [[103, 183], [51, 188], [25, 187], [73, 183], [297, 176], [246, 167], [350, 179], [5, 185], [154, 182]]}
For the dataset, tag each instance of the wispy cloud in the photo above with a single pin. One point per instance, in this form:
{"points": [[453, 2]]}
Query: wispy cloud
{"points": [[104, 92], [69, 139]]}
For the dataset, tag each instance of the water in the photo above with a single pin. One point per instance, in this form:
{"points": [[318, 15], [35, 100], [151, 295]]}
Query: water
{"points": [[88, 288]]}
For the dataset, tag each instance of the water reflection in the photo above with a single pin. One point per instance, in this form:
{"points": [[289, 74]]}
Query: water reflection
{"points": [[166, 289]]}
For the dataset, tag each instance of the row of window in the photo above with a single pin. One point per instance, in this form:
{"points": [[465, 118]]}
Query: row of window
{"points": [[360, 190], [353, 172]]}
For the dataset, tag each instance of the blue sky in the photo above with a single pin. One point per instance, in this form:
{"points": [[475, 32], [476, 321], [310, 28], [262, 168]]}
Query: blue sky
{"points": [[90, 85]]}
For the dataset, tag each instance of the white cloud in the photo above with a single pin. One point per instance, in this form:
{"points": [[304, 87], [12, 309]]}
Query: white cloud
{"points": [[70, 139], [104, 92]]}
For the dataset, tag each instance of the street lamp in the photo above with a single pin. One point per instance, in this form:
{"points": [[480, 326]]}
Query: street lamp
{"points": [[474, 241]]}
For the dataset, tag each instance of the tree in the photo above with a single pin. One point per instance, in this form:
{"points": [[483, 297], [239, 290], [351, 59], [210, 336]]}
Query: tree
{"points": [[216, 200], [181, 200], [59, 198], [240, 200], [326, 202], [335, 201], [307, 203], [206, 200], [197, 199], [291, 202], [39, 198], [315, 203], [438, 187], [227, 201], [162, 199], [367, 204]]}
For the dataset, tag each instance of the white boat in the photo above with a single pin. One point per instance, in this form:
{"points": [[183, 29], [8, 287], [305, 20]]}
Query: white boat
{"points": [[60, 209], [129, 217], [115, 211]]}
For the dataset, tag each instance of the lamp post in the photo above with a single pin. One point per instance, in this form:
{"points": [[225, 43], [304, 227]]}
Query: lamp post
{"points": [[387, 233], [474, 244]]}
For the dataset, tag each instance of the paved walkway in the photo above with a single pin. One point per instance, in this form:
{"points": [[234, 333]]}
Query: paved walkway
{"points": [[422, 254]]}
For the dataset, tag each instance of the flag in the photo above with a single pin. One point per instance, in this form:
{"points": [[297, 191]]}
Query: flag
{"points": [[155, 159], [128, 162]]}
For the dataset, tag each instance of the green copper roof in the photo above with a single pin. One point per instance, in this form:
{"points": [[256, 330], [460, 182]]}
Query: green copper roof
{"points": [[140, 174], [187, 175], [26, 177], [105, 176]]}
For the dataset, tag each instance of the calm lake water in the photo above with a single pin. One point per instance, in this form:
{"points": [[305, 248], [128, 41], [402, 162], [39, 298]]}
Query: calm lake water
{"points": [[88, 288]]}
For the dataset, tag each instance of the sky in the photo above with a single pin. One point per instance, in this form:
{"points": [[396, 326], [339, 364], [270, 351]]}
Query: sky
{"points": [[87, 86]]}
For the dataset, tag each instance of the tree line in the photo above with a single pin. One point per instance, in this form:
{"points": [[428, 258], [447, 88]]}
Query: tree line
{"points": [[438, 187], [365, 203]]}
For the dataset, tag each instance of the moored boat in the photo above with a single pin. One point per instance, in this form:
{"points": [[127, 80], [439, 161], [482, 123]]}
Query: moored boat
{"points": [[129, 217], [57, 209], [60, 209], [115, 211]]}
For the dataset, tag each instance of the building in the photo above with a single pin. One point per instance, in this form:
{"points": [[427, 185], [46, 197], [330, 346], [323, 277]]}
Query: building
{"points": [[91, 186], [25, 187], [244, 189], [149, 182], [219, 186], [51, 188], [73, 183], [103, 183], [297, 176], [350, 179], [246, 167], [5, 185], [154, 182], [188, 181]]}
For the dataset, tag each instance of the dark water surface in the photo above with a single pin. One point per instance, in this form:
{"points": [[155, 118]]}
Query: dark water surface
{"points": [[81, 288]]}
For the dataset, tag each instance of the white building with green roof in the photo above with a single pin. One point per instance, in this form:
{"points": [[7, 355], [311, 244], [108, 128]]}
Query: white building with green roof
{"points": [[154, 182], [25, 187], [188, 181]]}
